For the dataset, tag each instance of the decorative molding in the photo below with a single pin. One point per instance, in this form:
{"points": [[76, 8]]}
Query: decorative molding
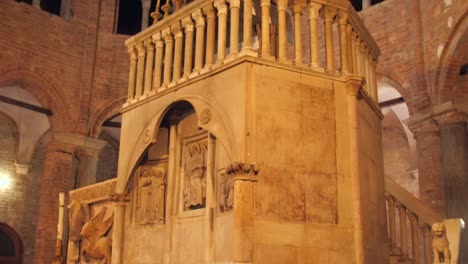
{"points": [[243, 171], [94, 193]]}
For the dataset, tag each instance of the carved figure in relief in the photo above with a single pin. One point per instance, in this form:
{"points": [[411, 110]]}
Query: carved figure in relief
{"points": [[96, 245], [150, 202], [78, 214], [440, 244], [195, 170], [226, 193]]}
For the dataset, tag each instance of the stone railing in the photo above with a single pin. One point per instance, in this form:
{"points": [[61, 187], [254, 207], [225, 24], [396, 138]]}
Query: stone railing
{"points": [[407, 218], [207, 34]]}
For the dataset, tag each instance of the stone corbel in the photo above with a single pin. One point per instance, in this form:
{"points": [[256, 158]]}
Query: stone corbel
{"points": [[119, 197], [243, 171]]}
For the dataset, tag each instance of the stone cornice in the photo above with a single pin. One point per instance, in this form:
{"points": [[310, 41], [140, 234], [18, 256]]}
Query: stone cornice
{"points": [[74, 142]]}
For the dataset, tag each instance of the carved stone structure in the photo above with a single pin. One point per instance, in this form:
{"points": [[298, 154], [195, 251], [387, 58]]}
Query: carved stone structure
{"points": [[150, 195], [195, 174], [440, 244], [226, 192], [97, 243]]}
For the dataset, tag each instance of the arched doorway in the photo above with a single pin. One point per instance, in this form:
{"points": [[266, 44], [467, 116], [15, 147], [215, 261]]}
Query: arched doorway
{"points": [[11, 246]]}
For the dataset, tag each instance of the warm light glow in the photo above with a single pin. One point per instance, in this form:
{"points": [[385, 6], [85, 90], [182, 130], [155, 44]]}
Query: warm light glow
{"points": [[5, 181]]}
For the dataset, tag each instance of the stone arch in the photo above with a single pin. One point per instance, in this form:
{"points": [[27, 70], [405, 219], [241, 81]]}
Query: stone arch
{"points": [[444, 70], [218, 125], [385, 80], [13, 247], [104, 113], [41, 86]]}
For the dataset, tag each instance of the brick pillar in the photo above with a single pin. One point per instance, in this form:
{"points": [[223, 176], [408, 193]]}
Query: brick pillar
{"points": [[71, 161], [431, 184], [58, 176], [454, 150]]}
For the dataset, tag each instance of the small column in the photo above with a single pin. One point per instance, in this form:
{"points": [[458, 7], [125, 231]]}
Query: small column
{"points": [[343, 22], [297, 13], [199, 41], [177, 30], [367, 73], [349, 30], [266, 48], [188, 28], [282, 39], [234, 6], [171, 206], [222, 29], [210, 35], [314, 10], [414, 236], [140, 69], [247, 30], [146, 5], [132, 74], [359, 66], [366, 4], [391, 223], [118, 229], [244, 177], [169, 42], [355, 52], [149, 66], [328, 14], [159, 44], [373, 77], [427, 243], [59, 246], [403, 231], [362, 59], [210, 199]]}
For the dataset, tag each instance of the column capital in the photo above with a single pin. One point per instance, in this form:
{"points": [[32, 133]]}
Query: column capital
{"points": [[390, 199], [209, 11], [413, 218], [243, 171], [149, 44], [314, 9], [328, 12], [354, 84], [141, 49], [132, 51], [282, 4], [187, 23], [343, 17], [297, 6], [221, 6], [119, 198], [167, 35], [234, 3], [76, 144], [198, 17]]}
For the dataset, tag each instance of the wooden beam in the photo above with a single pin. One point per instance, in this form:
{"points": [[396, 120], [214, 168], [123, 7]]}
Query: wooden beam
{"points": [[24, 105]]}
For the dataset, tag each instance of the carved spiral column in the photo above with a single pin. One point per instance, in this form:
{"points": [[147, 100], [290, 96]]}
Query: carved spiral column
{"points": [[244, 177], [266, 49], [159, 59], [199, 40], [210, 34], [188, 27], [140, 69], [120, 202], [314, 10], [282, 39], [222, 29], [169, 42], [403, 231], [414, 236], [176, 29], [328, 14], [132, 73], [149, 66], [343, 22], [297, 13], [234, 6]]}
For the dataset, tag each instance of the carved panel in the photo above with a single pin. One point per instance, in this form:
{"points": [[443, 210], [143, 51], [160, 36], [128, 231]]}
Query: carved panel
{"points": [[150, 194], [194, 172], [225, 191], [93, 193]]}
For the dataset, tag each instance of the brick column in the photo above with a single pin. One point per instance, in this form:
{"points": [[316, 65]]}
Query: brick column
{"points": [[59, 168], [431, 184], [71, 161], [454, 154]]}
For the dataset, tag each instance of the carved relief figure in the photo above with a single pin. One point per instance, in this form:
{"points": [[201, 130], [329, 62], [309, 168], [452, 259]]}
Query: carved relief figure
{"points": [[78, 214], [440, 244], [96, 245], [150, 200], [195, 176], [226, 193]]}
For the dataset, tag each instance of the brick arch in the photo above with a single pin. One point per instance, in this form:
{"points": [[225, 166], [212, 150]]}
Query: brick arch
{"points": [[395, 83], [445, 69], [17, 244], [43, 88], [103, 114]]}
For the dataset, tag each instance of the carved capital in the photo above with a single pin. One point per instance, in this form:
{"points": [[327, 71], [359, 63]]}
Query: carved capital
{"points": [[209, 11], [234, 3], [187, 23], [119, 197], [221, 6], [282, 5], [157, 40], [401, 207], [176, 29], [328, 13], [354, 84], [141, 49], [390, 200], [451, 117], [199, 19], [343, 17], [413, 218], [132, 52], [149, 45], [314, 10], [167, 35], [243, 171], [265, 3]]}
